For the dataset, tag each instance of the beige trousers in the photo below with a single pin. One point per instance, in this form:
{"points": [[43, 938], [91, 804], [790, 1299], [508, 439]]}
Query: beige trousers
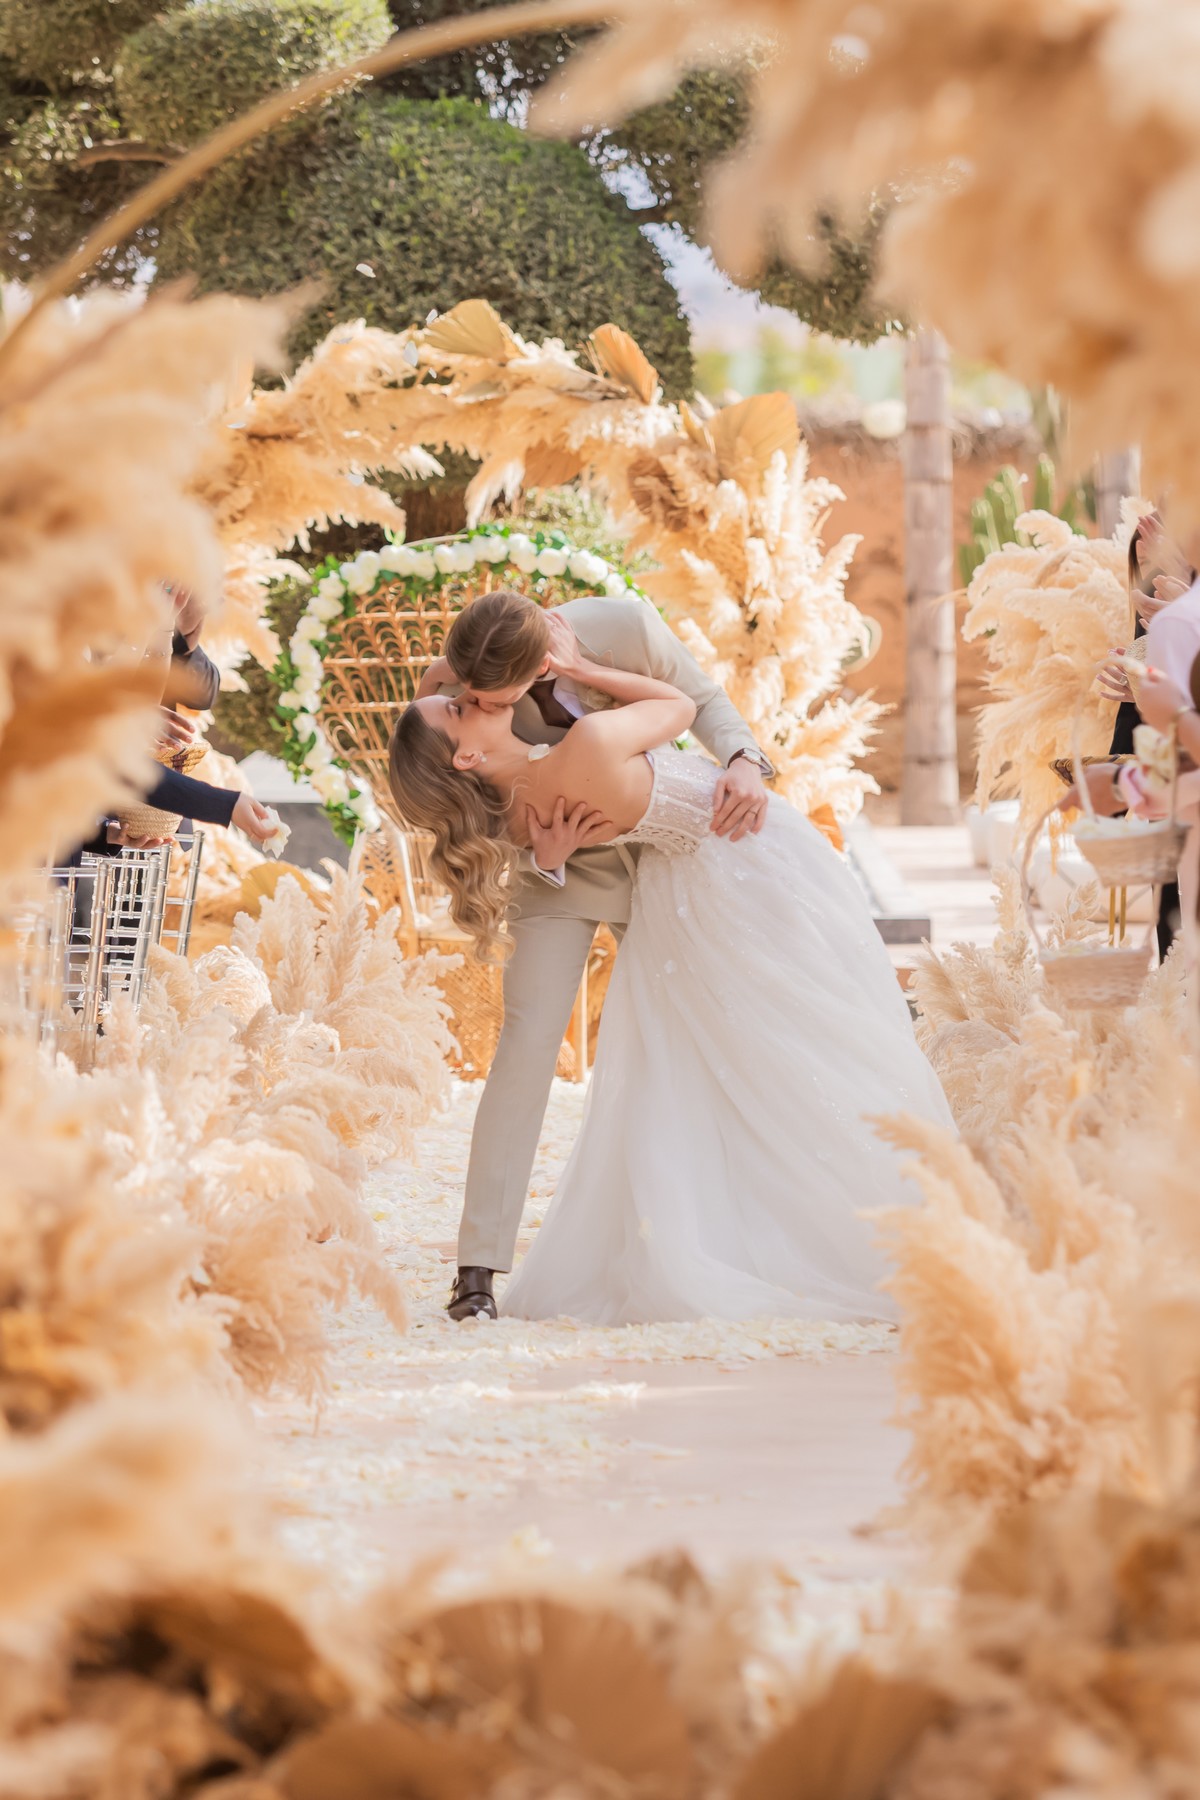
{"points": [[541, 980]]}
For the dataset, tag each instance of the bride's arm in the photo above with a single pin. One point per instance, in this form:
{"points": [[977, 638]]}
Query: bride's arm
{"points": [[650, 712]]}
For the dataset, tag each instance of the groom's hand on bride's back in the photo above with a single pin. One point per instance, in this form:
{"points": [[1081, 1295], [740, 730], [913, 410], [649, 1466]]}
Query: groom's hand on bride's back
{"points": [[555, 839], [740, 801]]}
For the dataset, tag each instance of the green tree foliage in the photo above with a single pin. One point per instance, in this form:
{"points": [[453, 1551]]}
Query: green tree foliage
{"points": [[672, 147], [247, 720], [398, 203], [405, 207], [94, 92], [245, 49], [63, 159], [55, 42], [502, 73]]}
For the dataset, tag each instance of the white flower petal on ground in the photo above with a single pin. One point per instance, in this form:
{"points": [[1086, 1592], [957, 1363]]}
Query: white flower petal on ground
{"points": [[447, 1415]]}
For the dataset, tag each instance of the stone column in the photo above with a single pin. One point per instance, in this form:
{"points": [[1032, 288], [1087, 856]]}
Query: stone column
{"points": [[929, 789]]}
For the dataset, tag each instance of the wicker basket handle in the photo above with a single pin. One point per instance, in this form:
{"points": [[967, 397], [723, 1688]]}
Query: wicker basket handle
{"points": [[1026, 885]]}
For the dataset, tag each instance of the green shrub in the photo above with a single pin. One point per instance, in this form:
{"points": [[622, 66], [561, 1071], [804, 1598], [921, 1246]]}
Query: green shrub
{"points": [[244, 49], [47, 204], [55, 41], [404, 208]]}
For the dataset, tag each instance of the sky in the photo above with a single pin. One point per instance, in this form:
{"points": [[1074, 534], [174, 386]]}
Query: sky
{"points": [[723, 317]]}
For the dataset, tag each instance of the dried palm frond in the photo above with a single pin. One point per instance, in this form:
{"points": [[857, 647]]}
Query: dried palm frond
{"points": [[287, 460], [1099, 303], [1047, 616], [102, 425]]}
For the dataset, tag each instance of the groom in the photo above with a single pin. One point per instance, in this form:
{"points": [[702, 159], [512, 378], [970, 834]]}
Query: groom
{"points": [[568, 884]]}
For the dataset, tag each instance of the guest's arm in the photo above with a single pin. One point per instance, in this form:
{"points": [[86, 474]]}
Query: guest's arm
{"points": [[212, 805], [193, 679], [199, 800]]}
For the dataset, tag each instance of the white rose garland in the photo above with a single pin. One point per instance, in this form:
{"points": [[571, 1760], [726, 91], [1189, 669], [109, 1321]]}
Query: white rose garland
{"points": [[337, 588]]}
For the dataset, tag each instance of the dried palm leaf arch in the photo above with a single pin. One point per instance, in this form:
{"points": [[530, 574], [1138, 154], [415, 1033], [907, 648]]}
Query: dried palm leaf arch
{"points": [[720, 500]]}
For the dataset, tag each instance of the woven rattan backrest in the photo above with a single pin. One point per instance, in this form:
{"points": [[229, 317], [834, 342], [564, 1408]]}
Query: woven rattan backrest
{"points": [[373, 671]]}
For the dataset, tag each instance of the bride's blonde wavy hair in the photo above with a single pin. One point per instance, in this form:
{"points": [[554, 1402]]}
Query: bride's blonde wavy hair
{"points": [[467, 818]]}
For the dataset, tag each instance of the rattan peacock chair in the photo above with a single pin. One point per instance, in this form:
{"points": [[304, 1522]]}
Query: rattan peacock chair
{"points": [[372, 672]]}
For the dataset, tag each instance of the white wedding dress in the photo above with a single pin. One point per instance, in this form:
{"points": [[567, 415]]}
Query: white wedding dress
{"points": [[752, 1027]]}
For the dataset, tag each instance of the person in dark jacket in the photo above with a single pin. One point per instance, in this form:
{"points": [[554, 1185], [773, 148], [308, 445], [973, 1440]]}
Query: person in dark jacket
{"points": [[193, 680]]}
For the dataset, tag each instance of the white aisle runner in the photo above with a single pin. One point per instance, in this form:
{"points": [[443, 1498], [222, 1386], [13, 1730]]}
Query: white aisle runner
{"points": [[743, 1441]]}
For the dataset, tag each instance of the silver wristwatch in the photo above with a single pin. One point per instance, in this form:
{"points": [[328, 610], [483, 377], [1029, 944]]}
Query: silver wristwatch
{"points": [[758, 759]]}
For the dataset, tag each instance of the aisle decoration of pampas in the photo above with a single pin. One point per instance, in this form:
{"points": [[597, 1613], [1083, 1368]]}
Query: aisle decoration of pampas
{"points": [[276, 1074], [1101, 197], [1022, 1274], [722, 501], [94, 1269], [1047, 617]]}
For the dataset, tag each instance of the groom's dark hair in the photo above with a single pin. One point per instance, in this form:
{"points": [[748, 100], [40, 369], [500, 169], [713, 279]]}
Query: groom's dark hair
{"points": [[498, 641]]}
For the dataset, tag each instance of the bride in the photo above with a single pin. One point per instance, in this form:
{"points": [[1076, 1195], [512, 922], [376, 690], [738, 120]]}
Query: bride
{"points": [[753, 1024]]}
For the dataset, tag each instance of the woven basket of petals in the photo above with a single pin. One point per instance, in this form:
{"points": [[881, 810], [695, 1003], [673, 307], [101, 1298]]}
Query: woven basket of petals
{"points": [[150, 821], [1131, 852], [1089, 977]]}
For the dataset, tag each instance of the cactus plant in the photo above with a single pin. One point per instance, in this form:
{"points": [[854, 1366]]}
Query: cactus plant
{"points": [[994, 515]]}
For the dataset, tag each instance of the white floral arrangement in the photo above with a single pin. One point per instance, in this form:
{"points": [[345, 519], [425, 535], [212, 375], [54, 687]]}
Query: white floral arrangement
{"points": [[552, 568]]}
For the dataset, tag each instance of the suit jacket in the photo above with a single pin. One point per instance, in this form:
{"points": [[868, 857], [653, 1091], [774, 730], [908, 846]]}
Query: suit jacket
{"points": [[621, 634], [193, 679]]}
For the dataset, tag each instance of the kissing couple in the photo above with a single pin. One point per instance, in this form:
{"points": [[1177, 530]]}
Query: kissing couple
{"points": [[753, 1021]]}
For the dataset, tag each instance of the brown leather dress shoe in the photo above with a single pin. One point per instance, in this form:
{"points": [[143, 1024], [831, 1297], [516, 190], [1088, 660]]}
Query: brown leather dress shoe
{"points": [[472, 1294]]}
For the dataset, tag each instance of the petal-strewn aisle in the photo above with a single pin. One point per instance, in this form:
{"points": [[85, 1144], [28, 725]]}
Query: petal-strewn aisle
{"points": [[741, 1440]]}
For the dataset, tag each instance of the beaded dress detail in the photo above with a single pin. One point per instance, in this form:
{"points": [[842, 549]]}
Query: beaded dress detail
{"points": [[752, 1025], [677, 818]]}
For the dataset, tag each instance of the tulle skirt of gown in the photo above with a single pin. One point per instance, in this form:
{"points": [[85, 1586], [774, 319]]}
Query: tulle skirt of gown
{"points": [[753, 1024]]}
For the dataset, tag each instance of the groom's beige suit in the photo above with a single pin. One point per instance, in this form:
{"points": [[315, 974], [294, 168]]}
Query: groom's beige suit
{"points": [[553, 926]]}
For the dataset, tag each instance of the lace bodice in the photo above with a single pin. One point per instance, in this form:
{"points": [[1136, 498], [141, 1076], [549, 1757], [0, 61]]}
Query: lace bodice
{"points": [[679, 815]]}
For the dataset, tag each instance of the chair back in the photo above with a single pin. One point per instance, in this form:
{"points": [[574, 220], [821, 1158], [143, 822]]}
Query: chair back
{"points": [[375, 668]]}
